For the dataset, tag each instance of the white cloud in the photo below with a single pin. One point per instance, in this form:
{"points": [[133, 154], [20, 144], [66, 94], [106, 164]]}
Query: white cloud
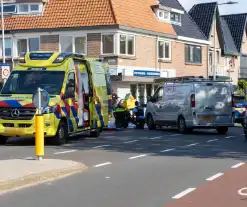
{"points": [[224, 9]]}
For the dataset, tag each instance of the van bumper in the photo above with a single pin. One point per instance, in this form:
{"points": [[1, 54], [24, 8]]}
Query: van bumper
{"points": [[212, 125], [26, 128]]}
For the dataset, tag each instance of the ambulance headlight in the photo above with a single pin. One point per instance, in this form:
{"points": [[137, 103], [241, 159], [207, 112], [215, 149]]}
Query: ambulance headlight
{"points": [[50, 109]]}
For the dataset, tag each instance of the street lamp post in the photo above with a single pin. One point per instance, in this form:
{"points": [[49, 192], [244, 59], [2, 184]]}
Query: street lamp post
{"points": [[215, 32], [3, 36]]}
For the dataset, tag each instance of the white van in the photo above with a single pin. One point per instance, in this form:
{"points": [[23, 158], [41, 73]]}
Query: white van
{"points": [[190, 103]]}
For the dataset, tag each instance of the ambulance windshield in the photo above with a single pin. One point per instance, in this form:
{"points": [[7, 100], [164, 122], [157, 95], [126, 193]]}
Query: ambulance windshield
{"points": [[27, 82]]}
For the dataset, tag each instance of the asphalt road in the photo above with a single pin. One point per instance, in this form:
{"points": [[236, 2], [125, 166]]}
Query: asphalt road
{"points": [[131, 168]]}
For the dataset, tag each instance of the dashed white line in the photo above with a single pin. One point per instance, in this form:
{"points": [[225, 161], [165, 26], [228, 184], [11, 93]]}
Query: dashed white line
{"points": [[106, 145], [64, 152], [156, 137], [214, 176], [229, 137], [182, 194], [167, 150], [103, 164], [132, 141], [138, 156], [190, 145], [242, 134], [238, 165], [212, 140], [173, 135]]}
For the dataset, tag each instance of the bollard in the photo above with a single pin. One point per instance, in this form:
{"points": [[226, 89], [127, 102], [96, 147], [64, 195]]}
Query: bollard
{"points": [[39, 128]]}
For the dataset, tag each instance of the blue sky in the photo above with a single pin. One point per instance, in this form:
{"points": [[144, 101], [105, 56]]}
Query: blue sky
{"points": [[224, 9]]}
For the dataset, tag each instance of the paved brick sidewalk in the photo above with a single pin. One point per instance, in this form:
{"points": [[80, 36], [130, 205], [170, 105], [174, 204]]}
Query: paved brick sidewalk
{"points": [[222, 192]]}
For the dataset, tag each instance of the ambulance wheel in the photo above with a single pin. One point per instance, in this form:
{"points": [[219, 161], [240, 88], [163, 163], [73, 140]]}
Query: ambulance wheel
{"points": [[95, 133], [222, 130], [3, 140], [62, 134]]}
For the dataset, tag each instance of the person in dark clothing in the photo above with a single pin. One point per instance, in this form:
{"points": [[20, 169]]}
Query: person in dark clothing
{"points": [[114, 98]]}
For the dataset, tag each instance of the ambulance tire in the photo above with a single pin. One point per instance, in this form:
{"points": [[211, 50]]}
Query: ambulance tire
{"points": [[95, 133], [3, 140], [62, 134]]}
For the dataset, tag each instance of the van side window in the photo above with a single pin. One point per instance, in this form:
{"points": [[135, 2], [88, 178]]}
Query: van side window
{"points": [[159, 94], [70, 87]]}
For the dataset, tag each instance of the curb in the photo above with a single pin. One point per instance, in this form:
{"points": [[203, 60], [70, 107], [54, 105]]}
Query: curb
{"points": [[39, 178]]}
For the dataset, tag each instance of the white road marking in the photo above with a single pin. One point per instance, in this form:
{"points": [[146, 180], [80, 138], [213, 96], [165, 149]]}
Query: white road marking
{"points": [[131, 141], [214, 176], [229, 137], [167, 150], [182, 194], [107, 177], [211, 130], [238, 165], [240, 192], [190, 145], [173, 135], [103, 164], [138, 156], [156, 137], [100, 146], [64, 152], [212, 140], [242, 134]]}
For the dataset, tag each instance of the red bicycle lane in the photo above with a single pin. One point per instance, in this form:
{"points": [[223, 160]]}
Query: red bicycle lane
{"points": [[221, 192]]}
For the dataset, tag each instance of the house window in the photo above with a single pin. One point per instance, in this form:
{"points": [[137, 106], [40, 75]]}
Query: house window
{"points": [[80, 45], [8, 47], [108, 44], [163, 15], [218, 57], [29, 8], [175, 17], [127, 44], [27, 45], [66, 43], [193, 54], [164, 49], [7, 9]]}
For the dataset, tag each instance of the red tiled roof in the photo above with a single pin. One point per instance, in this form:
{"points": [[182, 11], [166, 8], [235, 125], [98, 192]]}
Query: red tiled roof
{"points": [[79, 13]]}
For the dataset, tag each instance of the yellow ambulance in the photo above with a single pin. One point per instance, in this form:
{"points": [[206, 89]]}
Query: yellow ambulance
{"points": [[77, 89]]}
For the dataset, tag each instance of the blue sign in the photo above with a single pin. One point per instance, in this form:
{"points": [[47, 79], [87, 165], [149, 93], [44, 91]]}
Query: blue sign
{"points": [[146, 73]]}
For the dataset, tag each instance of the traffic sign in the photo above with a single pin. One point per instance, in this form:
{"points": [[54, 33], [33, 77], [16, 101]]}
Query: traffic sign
{"points": [[41, 99], [5, 71]]}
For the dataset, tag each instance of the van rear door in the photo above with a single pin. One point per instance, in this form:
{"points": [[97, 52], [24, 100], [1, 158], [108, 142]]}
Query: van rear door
{"points": [[213, 103]]}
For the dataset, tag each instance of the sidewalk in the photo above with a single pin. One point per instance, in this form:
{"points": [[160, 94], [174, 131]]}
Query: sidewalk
{"points": [[19, 173], [222, 192]]}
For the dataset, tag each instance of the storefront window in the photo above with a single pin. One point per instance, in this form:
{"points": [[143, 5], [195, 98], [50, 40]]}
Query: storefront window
{"points": [[141, 90], [148, 91], [133, 90]]}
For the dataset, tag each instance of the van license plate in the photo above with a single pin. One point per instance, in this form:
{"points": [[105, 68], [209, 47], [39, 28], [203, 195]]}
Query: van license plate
{"points": [[206, 118]]}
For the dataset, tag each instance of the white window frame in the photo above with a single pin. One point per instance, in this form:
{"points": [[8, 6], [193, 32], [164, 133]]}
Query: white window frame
{"points": [[12, 47], [174, 22], [126, 45], [73, 41], [162, 18], [115, 44], [170, 49], [29, 8], [24, 38]]}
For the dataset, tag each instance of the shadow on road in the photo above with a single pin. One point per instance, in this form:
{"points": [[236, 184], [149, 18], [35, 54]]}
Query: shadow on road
{"points": [[235, 148]]}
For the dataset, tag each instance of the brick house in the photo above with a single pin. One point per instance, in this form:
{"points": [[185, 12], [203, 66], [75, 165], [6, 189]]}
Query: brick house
{"points": [[228, 36], [141, 40]]}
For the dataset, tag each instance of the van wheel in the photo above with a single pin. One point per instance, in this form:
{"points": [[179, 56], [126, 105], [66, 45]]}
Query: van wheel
{"points": [[62, 134], [3, 140], [222, 130], [95, 133], [182, 125], [150, 123]]}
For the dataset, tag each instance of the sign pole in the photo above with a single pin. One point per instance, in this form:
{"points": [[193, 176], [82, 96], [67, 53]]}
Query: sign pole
{"points": [[39, 126]]}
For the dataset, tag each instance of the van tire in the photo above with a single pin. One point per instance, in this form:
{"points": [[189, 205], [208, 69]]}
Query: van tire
{"points": [[150, 122], [3, 140], [222, 130], [95, 133], [62, 134], [182, 128]]}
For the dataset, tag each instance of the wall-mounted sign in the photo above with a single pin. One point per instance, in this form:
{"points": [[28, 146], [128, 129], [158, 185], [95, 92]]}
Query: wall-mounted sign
{"points": [[5, 70], [145, 73]]}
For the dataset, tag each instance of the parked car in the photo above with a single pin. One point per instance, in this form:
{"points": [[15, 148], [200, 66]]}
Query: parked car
{"points": [[190, 103], [239, 108]]}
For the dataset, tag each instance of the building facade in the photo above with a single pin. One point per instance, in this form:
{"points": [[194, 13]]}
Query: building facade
{"points": [[158, 39]]}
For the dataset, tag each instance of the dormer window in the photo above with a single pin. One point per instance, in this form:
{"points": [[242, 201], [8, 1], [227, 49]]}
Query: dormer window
{"points": [[29, 8], [164, 15], [175, 17], [9, 9]]}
